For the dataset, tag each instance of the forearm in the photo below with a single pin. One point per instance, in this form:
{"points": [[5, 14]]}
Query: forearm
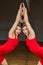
{"points": [[13, 28], [30, 29], [34, 47], [9, 46]]}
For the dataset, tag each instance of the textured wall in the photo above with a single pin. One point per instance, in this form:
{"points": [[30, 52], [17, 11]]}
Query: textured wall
{"points": [[8, 12], [37, 18]]}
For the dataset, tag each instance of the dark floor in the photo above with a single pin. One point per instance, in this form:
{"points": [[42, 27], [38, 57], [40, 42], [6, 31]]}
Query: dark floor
{"points": [[21, 56]]}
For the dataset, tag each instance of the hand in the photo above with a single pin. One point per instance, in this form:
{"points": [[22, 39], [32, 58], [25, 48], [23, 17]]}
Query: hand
{"points": [[18, 15], [25, 31], [25, 15], [22, 12], [18, 30]]}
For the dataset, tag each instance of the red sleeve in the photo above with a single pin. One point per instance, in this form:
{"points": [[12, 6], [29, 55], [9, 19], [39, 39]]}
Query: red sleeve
{"points": [[9, 46], [41, 60], [34, 47]]}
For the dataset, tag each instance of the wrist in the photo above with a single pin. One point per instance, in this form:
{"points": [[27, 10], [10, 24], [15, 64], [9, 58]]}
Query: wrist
{"points": [[16, 21], [26, 21]]}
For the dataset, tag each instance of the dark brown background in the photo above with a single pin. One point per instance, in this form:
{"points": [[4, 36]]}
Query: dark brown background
{"points": [[8, 12]]}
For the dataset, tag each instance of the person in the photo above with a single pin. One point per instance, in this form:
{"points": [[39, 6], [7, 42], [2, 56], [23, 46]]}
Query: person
{"points": [[12, 41], [31, 41]]}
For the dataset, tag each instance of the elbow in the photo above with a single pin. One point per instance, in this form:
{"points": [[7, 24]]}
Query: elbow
{"points": [[31, 49]]}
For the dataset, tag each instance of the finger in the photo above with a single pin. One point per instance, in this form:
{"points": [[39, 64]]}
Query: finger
{"points": [[25, 9], [25, 32], [18, 32], [25, 28], [18, 28], [22, 7]]}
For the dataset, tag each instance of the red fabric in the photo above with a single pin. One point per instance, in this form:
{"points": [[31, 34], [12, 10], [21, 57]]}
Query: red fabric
{"points": [[9, 46], [1, 59], [41, 60], [33, 45]]}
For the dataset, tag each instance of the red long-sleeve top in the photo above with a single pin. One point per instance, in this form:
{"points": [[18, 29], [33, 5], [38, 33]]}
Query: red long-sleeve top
{"points": [[33, 45], [8, 46]]}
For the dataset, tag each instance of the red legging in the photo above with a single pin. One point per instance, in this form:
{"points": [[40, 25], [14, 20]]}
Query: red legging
{"points": [[7, 47], [35, 48]]}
